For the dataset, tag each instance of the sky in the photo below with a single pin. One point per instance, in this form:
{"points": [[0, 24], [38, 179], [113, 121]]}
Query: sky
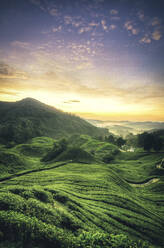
{"points": [[99, 59]]}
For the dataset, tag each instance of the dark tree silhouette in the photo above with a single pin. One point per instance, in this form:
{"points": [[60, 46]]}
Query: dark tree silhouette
{"points": [[157, 144], [120, 141], [150, 141], [110, 139]]}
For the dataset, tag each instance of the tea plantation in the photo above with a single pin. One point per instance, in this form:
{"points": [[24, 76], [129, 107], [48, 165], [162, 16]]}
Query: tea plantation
{"points": [[52, 197]]}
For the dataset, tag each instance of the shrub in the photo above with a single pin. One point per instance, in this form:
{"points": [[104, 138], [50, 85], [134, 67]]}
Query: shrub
{"points": [[61, 197], [29, 230], [57, 149], [9, 201], [105, 240], [43, 196], [76, 154], [107, 158]]}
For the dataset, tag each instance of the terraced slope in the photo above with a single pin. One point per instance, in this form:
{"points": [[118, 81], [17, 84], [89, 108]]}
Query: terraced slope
{"points": [[24, 156], [87, 196], [67, 204]]}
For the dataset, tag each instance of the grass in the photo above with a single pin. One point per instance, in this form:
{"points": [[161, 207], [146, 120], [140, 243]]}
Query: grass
{"points": [[73, 204], [95, 147], [24, 156], [136, 167]]}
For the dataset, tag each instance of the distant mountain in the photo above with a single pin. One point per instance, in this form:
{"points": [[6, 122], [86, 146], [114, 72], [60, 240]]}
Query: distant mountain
{"points": [[22, 120], [120, 130], [125, 127]]}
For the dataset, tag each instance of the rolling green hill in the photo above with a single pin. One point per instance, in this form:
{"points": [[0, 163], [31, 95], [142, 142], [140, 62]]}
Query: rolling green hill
{"points": [[30, 118], [71, 204], [82, 148], [72, 190]]}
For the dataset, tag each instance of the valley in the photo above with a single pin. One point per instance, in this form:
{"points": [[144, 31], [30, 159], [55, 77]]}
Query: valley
{"points": [[124, 128]]}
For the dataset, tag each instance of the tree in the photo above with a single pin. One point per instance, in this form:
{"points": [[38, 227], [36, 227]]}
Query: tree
{"points": [[110, 139], [120, 141], [150, 141], [157, 144], [107, 158], [145, 140], [57, 149], [131, 140]]}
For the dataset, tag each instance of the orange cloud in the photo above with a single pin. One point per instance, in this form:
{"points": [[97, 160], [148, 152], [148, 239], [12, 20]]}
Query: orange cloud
{"points": [[157, 35]]}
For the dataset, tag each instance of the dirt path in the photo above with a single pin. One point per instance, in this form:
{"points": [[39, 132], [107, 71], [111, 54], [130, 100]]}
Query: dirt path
{"points": [[149, 181], [140, 184], [160, 166], [32, 171], [143, 184]]}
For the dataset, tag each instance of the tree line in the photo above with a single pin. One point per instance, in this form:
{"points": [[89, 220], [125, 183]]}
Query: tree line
{"points": [[150, 141], [147, 141]]}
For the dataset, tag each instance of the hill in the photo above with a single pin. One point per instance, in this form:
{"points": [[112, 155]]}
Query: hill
{"points": [[72, 204], [81, 148], [30, 118]]}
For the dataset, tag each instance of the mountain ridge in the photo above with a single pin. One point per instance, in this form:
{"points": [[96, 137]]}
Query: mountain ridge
{"points": [[28, 118]]}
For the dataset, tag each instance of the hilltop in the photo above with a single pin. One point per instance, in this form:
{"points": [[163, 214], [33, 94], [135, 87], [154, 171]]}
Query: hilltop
{"points": [[30, 118]]}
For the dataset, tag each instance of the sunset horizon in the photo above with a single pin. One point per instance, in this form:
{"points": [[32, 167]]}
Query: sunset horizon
{"points": [[96, 59], [113, 117]]}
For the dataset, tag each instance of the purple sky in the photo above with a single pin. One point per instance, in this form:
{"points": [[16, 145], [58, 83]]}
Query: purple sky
{"points": [[96, 58]]}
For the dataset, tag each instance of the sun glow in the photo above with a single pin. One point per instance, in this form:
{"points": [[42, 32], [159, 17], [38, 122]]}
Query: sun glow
{"points": [[98, 65]]}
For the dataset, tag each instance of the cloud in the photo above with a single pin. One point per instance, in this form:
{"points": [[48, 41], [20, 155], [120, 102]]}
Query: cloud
{"points": [[71, 101], [85, 65], [130, 27], [157, 35], [75, 101], [93, 24], [135, 31], [84, 30], [112, 27], [53, 11], [104, 25], [68, 20], [20, 44], [74, 21], [157, 32], [5, 69], [46, 6], [9, 92], [83, 53], [77, 24], [113, 12], [39, 4], [141, 15], [115, 18], [78, 86], [54, 30], [145, 40], [156, 22], [8, 72]]}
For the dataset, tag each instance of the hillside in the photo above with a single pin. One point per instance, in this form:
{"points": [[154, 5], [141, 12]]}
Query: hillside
{"points": [[73, 204], [30, 118], [72, 190]]}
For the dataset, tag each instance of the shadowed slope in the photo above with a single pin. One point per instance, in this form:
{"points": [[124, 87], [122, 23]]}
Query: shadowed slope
{"points": [[30, 118]]}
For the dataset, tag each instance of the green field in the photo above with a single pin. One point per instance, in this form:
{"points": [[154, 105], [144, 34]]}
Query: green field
{"points": [[70, 203]]}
